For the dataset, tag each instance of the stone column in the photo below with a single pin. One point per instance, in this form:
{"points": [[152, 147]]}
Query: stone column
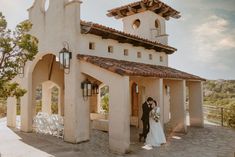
{"points": [[61, 101], [11, 112], [119, 115], [46, 97], [76, 108], [26, 108], [177, 105], [154, 89], [195, 104]]}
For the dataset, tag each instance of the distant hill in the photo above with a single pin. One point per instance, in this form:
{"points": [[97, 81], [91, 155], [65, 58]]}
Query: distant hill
{"points": [[219, 92]]}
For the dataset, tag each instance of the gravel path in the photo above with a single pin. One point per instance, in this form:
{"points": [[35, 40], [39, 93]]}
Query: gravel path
{"points": [[211, 141]]}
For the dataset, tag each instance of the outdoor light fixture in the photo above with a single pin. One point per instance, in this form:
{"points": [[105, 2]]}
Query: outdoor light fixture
{"points": [[64, 57], [167, 88], [86, 88], [137, 89], [95, 88], [20, 69]]}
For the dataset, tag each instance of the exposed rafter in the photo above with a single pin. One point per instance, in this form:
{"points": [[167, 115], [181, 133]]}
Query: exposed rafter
{"points": [[156, 6]]}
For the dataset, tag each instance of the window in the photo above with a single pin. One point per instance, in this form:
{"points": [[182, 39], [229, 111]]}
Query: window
{"points": [[110, 49], [157, 23], [161, 58], [126, 52], [150, 57], [91, 45], [136, 24], [138, 54]]}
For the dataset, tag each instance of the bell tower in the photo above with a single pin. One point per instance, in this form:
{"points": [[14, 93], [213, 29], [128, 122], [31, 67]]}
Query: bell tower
{"points": [[55, 21], [146, 19]]}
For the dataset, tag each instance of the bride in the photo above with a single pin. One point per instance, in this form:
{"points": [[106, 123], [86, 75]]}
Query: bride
{"points": [[156, 136]]}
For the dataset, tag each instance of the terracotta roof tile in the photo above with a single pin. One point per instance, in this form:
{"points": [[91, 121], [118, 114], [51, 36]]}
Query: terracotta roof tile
{"points": [[128, 68], [156, 6], [107, 32]]}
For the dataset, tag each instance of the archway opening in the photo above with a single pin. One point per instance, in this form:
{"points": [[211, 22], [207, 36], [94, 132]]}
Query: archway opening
{"points": [[48, 96]]}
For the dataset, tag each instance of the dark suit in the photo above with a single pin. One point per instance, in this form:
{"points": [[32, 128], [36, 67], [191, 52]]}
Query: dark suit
{"points": [[145, 119]]}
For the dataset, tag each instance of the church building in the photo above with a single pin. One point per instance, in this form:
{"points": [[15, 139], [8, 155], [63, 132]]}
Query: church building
{"points": [[80, 58]]}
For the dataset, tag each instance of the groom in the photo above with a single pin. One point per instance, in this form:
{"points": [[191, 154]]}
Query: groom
{"points": [[146, 107]]}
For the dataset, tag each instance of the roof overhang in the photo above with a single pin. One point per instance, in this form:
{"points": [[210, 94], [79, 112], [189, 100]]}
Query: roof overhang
{"points": [[122, 37], [155, 6], [127, 68]]}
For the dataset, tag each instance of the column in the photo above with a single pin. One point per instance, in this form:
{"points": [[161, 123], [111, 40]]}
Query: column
{"points": [[11, 112], [76, 108], [46, 97], [154, 89], [178, 106], [195, 104], [61, 101], [26, 108], [119, 115]]}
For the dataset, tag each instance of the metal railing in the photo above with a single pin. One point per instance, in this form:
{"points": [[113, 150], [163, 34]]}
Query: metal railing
{"points": [[218, 115]]}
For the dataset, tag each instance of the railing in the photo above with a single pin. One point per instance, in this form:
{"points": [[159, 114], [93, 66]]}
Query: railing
{"points": [[219, 115]]}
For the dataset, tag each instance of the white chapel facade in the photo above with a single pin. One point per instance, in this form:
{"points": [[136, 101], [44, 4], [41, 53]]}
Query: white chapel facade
{"points": [[133, 63]]}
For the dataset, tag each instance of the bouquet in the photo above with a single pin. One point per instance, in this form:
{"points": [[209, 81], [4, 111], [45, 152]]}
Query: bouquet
{"points": [[155, 115]]}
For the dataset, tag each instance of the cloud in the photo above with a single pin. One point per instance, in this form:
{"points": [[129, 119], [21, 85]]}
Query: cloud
{"points": [[212, 37]]}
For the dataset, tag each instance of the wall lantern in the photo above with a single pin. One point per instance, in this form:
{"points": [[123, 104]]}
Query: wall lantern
{"points": [[86, 88], [95, 88], [64, 57], [20, 69], [137, 89], [167, 89]]}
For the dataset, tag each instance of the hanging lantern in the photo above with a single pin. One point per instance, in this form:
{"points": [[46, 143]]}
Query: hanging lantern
{"points": [[95, 88], [86, 88], [64, 58]]}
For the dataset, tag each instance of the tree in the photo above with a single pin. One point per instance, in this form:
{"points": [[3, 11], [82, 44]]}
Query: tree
{"points": [[16, 48]]}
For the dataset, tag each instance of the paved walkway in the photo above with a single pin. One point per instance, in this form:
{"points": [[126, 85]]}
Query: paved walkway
{"points": [[211, 141]]}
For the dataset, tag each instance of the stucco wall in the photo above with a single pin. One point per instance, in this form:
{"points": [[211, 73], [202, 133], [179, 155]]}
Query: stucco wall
{"points": [[61, 22], [147, 27], [101, 49]]}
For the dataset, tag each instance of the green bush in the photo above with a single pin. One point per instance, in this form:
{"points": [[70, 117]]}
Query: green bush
{"points": [[54, 108], [105, 103]]}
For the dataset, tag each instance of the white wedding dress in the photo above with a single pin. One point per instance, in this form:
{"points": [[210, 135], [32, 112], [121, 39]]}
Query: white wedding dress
{"points": [[156, 135]]}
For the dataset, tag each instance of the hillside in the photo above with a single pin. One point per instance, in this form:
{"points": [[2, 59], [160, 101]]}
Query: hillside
{"points": [[219, 93]]}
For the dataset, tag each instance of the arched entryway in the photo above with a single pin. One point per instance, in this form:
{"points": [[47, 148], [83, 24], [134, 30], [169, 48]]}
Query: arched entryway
{"points": [[48, 74]]}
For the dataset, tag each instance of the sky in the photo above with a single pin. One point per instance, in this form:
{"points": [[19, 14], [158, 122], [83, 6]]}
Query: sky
{"points": [[204, 35]]}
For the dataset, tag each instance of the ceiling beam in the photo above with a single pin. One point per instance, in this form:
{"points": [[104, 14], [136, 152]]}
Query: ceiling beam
{"points": [[155, 7], [132, 10], [163, 11]]}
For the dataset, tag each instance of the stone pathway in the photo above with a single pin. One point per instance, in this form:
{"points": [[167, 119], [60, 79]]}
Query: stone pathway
{"points": [[211, 141]]}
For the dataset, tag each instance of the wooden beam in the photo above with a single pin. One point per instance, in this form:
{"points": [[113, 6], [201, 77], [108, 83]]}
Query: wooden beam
{"points": [[163, 11], [150, 3], [106, 36], [143, 6], [132, 10], [123, 40], [119, 14], [51, 67], [155, 7], [85, 29]]}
